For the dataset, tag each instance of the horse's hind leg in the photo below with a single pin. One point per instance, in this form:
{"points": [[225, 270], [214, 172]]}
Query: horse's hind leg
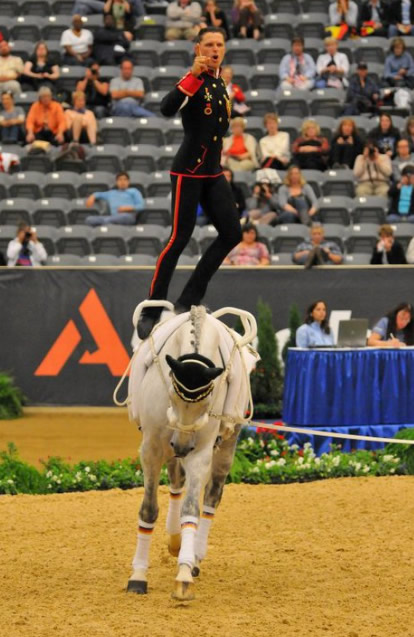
{"points": [[151, 461], [176, 477]]}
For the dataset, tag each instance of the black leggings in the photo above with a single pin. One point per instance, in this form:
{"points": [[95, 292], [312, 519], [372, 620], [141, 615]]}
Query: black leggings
{"points": [[215, 196]]}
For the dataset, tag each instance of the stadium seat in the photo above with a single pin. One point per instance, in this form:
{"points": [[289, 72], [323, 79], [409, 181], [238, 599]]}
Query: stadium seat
{"points": [[327, 125], [404, 232], [335, 210], [9, 8], [159, 184], [62, 7], [145, 53], [108, 158], [79, 212], [362, 238], [271, 50], [47, 235], [245, 180], [26, 98], [261, 101], [176, 52], [282, 259], [372, 49], [241, 52], [147, 239], [50, 212], [187, 260], [338, 182], [5, 182], [61, 184], [64, 260], [7, 234], [279, 25], [26, 28], [54, 25], [357, 259], [153, 99], [156, 212], [166, 156], [93, 21], [74, 240], [137, 259], [255, 126], [98, 260], [314, 6], [12, 211], [292, 7], [41, 163], [151, 28], [109, 239], [290, 125], [327, 101], [26, 184], [314, 179], [116, 130], [206, 236], [174, 132], [40, 8], [70, 76], [164, 78], [369, 210], [314, 46], [312, 25], [95, 182], [241, 76], [264, 76], [336, 232], [140, 180], [149, 130], [142, 157], [23, 49], [265, 231], [287, 237]]}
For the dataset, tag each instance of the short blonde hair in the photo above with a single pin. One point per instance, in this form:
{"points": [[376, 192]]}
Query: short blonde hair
{"points": [[310, 122], [330, 40], [238, 120], [77, 94], [270, 116]]}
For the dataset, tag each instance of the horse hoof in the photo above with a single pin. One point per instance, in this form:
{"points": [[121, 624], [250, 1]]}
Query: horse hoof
{"points": [[137, 586], [174, 544], [183, 592]]}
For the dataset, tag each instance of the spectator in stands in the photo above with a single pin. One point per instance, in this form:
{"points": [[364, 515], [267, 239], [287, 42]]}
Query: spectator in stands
{"points": [[25, 249], [96, 91], [122, 14], [236, 95], [262, 206], [123, 202], [86, 7], [40, 69], [236, 190], [402, 197], [310, 150], [388, 251], [127, 93], [374, 18], [399, 66], [183, 20], [409, 132], [46, 119], [275, 146], [247, 19], [213, 16], [11, 120], [344, 12], [401, 18], [410, 252], [80, 121], [77, 44], [373, 171], [385, 135], [240, 148], [11, 67], [403, 158], [110, 44], [317, 250], [315, 330], [296, 199], [363, 92], [297, 69], [250, 250], [395, 328], [346, 145], [332, 67]]}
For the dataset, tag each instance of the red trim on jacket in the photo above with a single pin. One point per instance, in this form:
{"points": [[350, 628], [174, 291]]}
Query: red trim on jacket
{"points": [[199, 164], [189, 84], [196, 176]]}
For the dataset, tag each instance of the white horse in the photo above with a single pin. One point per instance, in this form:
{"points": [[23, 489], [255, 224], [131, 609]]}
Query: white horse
{"points": [[179, 405]]}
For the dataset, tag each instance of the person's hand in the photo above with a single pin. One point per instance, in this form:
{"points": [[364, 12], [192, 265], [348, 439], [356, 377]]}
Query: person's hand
{"points": [[199, 65], [394, 342], [88, 74], [60, 138], [128, 35], [124, 208], [380, 245], [340, 140], [375, 97], [34, 236], [289, 79], [30, 137], [90, 201], [312, 211], [21, 235]]}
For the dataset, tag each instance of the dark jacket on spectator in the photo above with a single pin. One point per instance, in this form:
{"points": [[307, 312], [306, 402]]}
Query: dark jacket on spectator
{"points": [[105, 39], [365, 13], [395, 12], [394, 257], [385, 141], [360, 98]]}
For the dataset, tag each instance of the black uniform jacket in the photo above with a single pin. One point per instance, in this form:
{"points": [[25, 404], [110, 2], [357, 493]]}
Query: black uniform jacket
{"points": [[205, 113]]}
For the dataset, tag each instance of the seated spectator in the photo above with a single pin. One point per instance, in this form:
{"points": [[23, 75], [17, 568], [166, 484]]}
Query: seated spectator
{"points": [[77, 44], [346, 145], [402, 197], [317, 250], [297, 69], [262, 206], [385, 135], [363, 92], [374, 18], [399, 66], [344, 12], [236, 190], [127, 93], [403, 158], [373, 171], [40, 69], [315, 330], [388, 251], [250, 251], [332, 67], [240, 148], [88, 7], [183, 20], [395, 329], [123, 202], [11, 67], [122, 15], [310, 150], [80, 121], [409, 132], [297, 201], [247, 19], [401, 18], [213, 16], [25, 249], [45, 119], [236, 95], [110, 44], [275, 146], [11, 121], [96, 91]]}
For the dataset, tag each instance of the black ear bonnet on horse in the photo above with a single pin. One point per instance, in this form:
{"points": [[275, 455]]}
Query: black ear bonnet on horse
{"points": [[193, 374]]}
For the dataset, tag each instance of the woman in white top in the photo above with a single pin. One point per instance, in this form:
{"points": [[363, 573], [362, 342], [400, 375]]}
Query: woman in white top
{"points": [[275, 146], [343, 12], [332, 66], [315, 330]]}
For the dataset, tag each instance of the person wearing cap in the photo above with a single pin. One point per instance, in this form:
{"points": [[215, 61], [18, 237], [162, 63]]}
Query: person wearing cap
{"points": [[403, 158], [363, 92], [402, 198], [46, 119], [297, 69]]}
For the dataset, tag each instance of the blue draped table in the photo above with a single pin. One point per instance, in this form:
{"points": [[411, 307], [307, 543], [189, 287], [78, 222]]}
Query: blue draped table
{"points": [[361, 387]]}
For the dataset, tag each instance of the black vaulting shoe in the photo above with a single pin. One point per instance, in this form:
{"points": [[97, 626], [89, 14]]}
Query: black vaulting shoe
{"points": [[148, 318]]}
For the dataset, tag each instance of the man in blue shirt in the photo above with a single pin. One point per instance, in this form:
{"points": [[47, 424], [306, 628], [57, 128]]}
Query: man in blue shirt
{"points": [[123, 203]]}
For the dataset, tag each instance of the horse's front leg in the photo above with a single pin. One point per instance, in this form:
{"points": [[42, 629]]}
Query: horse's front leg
{"points": [[176, 476], [151, 461], [197, 467]]}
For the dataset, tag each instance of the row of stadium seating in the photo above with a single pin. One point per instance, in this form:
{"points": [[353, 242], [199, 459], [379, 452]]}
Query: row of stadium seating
{"points": [[151, 239]]}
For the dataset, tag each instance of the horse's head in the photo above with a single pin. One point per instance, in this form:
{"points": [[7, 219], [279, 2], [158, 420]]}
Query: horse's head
{"points": [[192, 378]]}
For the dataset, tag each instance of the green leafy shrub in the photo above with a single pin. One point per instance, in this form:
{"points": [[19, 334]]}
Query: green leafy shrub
{"points": [[406, 452], [11, 398]]}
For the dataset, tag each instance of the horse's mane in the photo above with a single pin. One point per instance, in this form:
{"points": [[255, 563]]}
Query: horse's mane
{"points": [[197, 316]]}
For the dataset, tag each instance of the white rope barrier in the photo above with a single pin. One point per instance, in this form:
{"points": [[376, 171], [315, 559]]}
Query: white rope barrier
{"points": [[329, 434]]}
